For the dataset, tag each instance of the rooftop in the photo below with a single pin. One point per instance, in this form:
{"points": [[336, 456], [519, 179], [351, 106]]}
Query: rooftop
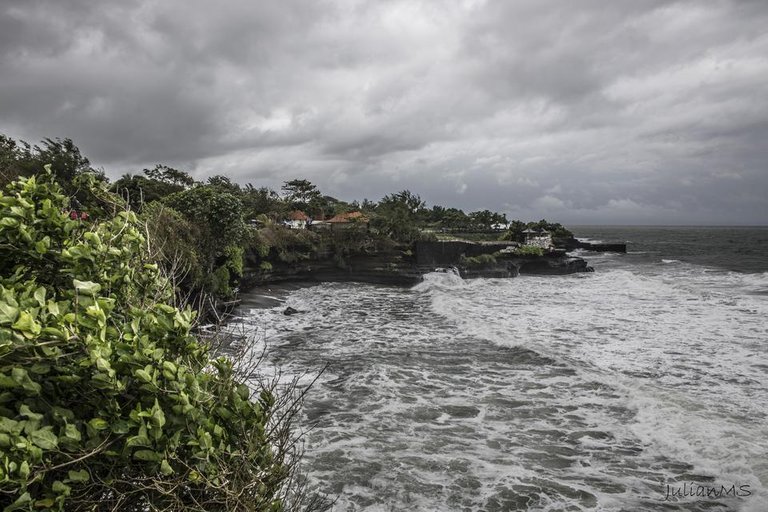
{"points": [[298, 215]]}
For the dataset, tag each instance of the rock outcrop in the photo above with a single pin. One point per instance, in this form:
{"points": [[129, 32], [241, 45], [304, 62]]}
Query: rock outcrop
{"points": [[571, 244], [407, 267]]}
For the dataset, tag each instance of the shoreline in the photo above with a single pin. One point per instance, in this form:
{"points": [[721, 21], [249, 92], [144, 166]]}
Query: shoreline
{"points": [[268, 296]]}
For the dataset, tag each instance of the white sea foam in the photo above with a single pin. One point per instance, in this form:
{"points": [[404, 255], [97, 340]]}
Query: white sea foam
{"points": [[590, 391], [682, 348]]}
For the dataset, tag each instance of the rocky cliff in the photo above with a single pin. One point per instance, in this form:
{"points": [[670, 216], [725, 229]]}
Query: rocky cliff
{"points": [[406, 267]]}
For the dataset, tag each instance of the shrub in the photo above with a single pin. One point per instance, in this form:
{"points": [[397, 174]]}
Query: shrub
{"points": [[477, 261], [529, 250], [106, 400]]}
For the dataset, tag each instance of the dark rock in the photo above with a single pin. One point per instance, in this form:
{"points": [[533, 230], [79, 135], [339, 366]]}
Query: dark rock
{"points": [[552, 266], [290, 311], [573, 243], [449, 252], [403, 268]]}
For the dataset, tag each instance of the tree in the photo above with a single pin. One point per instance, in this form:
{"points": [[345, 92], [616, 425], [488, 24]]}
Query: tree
{"points": [[171, 176], [139, 190], [483, 219], [455, 219], [262, 201], [399, 216], [367, 206], [404, 199], [300, 193], [555, 228], [515, 231], [486, 219], [224, 184], [217, 218], [61, 155], [65, 160], [12, 155]]}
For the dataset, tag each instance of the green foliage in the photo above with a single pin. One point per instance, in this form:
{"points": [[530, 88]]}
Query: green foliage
{"points": [[106, 400], [516, 228], [529, 250], [218, 215], [215, 216], [555, 228], [280, 243], [515, 232], [477, 261], [303, 195], [218, 282], [224, 184], [449, 218], [235, 258], [263, 201], [486, 219], [174, 244], [400, 216], [11, 159], [137, 191], [170, 176], [19, 159]]}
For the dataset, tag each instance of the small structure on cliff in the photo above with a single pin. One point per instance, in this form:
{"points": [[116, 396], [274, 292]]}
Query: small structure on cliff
{"points": [[297, 220], [350, 220], [538, 238]]}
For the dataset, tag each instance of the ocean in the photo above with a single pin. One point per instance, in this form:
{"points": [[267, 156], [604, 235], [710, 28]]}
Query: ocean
{"points": [[640, 387]]}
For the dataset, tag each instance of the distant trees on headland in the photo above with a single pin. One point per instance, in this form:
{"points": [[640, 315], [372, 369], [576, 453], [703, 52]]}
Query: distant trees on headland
{"points": [[205, 231]]}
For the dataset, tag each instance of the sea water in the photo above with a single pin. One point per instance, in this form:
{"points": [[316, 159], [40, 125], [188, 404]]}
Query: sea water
{"points": [[633, 388]]}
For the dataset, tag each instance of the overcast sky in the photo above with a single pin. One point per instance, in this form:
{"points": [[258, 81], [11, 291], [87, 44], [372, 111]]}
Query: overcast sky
{"points": [[609, 111]]}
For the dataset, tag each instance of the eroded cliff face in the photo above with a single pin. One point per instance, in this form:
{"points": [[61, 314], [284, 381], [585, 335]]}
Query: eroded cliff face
{"points": [[407, 267]]}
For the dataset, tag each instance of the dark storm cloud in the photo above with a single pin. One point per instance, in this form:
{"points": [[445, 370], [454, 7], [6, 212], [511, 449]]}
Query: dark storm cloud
{"points": [[594, 111]]}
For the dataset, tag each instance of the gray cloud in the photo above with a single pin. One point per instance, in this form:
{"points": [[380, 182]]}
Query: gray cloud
{"points": [[588, 112]]}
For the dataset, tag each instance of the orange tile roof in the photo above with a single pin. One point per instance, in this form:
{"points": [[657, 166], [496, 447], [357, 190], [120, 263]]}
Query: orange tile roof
{"points": [[298, 215]]}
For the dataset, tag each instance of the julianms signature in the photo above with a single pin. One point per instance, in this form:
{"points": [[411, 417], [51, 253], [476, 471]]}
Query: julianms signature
{"points": [[674, 493]]}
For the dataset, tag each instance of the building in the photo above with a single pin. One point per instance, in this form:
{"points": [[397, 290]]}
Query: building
{"points": [[538, 238], [350, 220], [297, 220]]}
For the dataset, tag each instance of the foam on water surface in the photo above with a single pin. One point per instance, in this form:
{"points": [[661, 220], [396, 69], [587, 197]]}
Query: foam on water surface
{"points": [[584, 392]]}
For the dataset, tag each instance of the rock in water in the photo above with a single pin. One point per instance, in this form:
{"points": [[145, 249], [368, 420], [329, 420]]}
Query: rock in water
{"points": [[290, 311]]}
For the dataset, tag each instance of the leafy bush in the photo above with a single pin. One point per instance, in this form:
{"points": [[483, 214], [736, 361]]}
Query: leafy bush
{"points": [[477, 261], [173, 244], [529, 250], [106, 400], [216, 217]]}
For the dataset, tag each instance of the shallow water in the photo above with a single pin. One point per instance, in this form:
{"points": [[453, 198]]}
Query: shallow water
{"points": [[583, 392]]}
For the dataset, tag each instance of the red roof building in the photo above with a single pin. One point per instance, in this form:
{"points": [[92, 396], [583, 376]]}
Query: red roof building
{"points": [[298, 215], [297, 220]]}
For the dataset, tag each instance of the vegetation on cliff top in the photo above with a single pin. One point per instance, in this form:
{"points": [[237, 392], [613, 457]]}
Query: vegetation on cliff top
{"points": [[204, 234]]}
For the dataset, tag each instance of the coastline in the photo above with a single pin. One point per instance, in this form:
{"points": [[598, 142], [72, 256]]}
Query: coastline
{"points": [[270, 295]]}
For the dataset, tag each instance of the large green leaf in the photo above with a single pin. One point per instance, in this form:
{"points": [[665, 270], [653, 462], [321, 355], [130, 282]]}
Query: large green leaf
{"points": [[8, 313], [44, 438], [78, 476], [147, 455], [40, 296], [27, 325], [86, 287]]}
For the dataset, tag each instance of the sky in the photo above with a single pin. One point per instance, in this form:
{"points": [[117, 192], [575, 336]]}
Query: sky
{"points": [[581, 112]]}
